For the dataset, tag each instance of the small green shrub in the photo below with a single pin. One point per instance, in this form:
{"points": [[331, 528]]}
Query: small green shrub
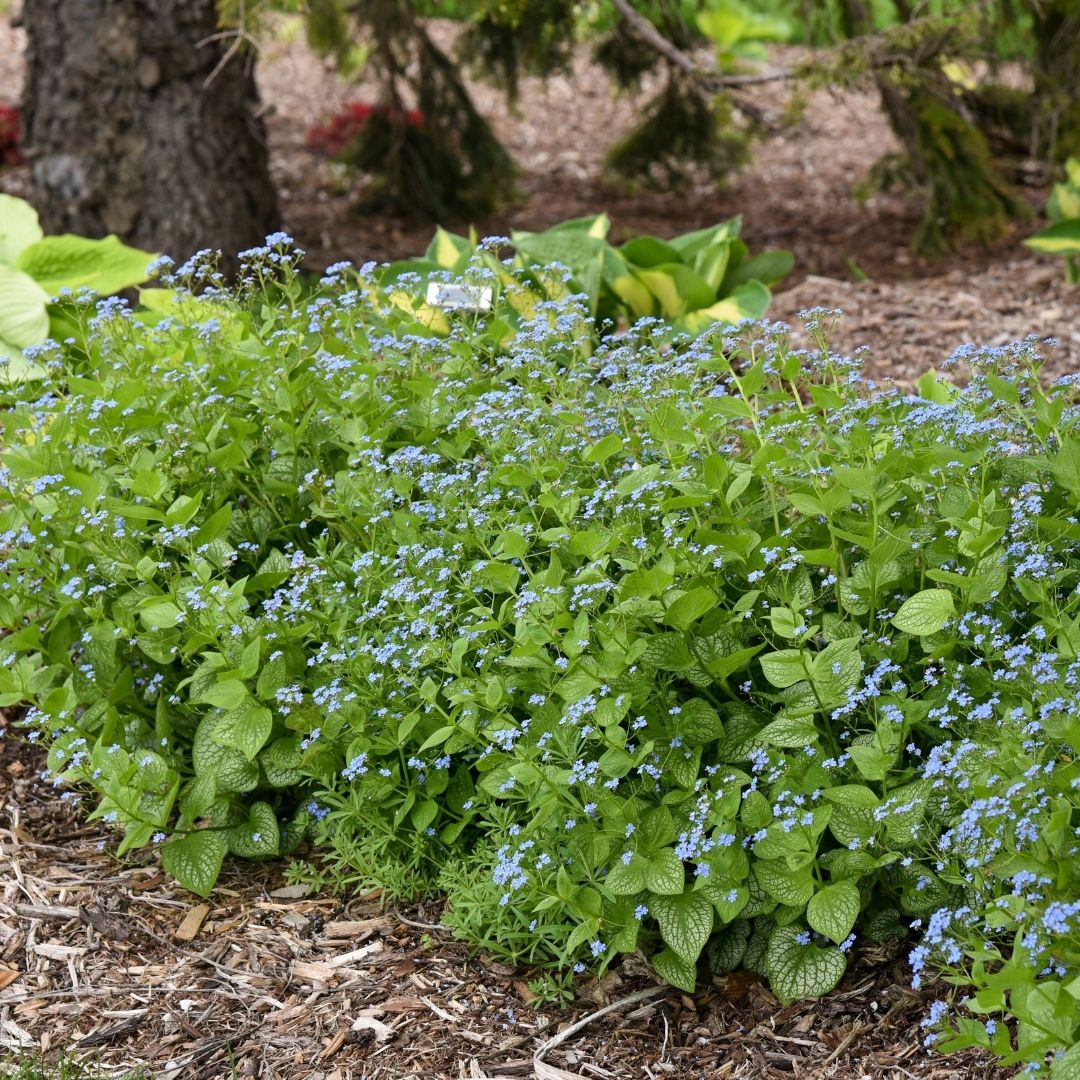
{"points": [[699, 645]]}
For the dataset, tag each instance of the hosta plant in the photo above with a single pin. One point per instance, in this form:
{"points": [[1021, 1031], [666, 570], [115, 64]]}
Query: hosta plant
{"points": [[703, 646], [1062, 235], [693, 281], [35, 267]]}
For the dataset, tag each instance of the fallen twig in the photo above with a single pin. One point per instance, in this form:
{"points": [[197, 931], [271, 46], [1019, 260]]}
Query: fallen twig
{"points": [[544, 1071]]}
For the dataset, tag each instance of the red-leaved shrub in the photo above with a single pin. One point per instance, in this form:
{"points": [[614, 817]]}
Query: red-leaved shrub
{"points": [[343, 129], [10, 125]]}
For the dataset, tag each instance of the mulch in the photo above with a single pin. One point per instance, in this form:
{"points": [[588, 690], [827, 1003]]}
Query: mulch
{"points": [[110, 962]]}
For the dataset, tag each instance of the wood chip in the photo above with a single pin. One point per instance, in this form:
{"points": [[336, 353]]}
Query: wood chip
{"points": [[334, 1045], [357, 954], [383, 1032], [300, 923], [8, 976], [290, 892], [59, 952], [193, 920], [402, 1005], [315, 972], [62, 912], [360, 929]]}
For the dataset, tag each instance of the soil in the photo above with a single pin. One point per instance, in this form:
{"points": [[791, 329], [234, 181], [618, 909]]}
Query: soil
{"points": [[110, 961]]}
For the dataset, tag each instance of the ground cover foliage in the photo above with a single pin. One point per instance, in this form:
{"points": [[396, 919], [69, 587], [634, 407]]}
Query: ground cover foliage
{"points": [[702, 646]]}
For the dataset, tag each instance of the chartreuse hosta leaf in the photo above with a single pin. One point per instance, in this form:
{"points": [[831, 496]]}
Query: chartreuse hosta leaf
{"points": [[696, 280], [24, 314], [195, 859], [19, 228], [75, 262], [800, 969], [34, 268], [1062, 238]]}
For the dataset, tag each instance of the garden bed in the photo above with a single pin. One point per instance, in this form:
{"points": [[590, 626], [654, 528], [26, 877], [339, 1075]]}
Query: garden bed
{"points": [[103, 971], [114, 962]]}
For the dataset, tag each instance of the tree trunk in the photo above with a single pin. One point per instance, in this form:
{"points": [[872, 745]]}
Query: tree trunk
{"points": [[138, 123]]}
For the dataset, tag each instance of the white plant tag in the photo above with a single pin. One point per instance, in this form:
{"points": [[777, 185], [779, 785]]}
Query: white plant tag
{"points": [[456, 297]]}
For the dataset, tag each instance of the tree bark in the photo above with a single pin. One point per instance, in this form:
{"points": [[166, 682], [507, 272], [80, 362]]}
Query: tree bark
{"points": [[139, 121]]}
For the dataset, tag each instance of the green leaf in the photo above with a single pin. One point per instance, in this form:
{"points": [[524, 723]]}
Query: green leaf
{"points": [[756, 812], [791, 887], [801, 971], [785, 623], [259, 836], [685, 922], [689, 607], [789, 732], [24, 312], [677, 288], [727, 898], [1066, 1067], [749, 301], [676, 971], [934, 387], [246, 728], [228, 694], [15, 368], [497, 576], [19, 228], [160, 615], [837, 669], [601, 451], [281, 761], [768, 267], [1065, 465], [195, 859], [1062, 238], [727, 949], [832, 911], [647, 251], [667, 651], [626, 879], [698, 723], [783, 668], [665, 875], [925, 613], [448, 250], [872, 762], [73, 262]]}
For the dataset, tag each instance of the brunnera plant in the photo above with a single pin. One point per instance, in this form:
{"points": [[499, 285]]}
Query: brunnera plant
{"points": [[704, 646]]}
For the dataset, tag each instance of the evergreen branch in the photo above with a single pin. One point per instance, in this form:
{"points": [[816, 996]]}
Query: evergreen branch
{"points": [[713, 81]]}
